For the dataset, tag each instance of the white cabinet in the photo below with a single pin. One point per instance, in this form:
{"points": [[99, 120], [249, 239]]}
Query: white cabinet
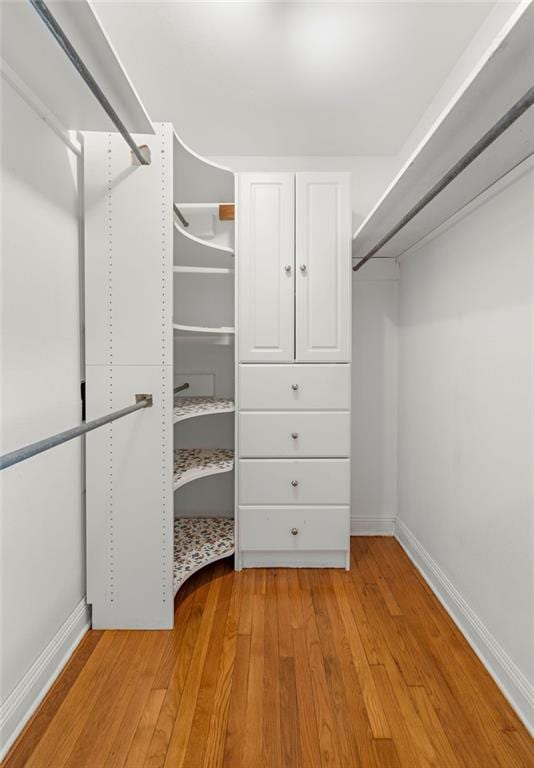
{"points": [[294, 294], [266, 258], [323, 261], [293, 396]]}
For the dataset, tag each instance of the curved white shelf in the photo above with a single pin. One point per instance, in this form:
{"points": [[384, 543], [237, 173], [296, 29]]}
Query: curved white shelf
{"points": [[193, 463], [204, 270], [191, 407], [198, 542], [200, 241], [218, 341], [224, 330]]}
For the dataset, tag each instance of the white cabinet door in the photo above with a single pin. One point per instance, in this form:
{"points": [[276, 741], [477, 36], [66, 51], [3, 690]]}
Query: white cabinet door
{"points": [[266, 265], [323, 267]]}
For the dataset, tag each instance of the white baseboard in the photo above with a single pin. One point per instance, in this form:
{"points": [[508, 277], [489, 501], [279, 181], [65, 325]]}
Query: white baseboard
{"points": [[372, 526], [24, 699], [512, 682]]}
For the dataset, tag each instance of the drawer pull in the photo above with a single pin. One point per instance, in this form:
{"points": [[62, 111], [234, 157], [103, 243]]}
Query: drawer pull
{"points": [[303, 267], [287, 268], [294, 435], [294, 387], [294, 531], [294, 483]]}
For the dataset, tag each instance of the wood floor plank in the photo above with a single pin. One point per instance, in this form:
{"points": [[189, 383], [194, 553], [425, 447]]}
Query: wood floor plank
{"points": [[145, 728], [60, 739], [271, 737], [184, 717], [197, 743], [283, 668], [36, 728], [253, 733]]}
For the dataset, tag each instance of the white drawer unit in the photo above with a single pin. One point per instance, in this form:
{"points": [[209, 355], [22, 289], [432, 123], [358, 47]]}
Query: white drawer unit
{"points": [[294, 390], [294, 481], [310, 528], [294, 433], [294, 387]]}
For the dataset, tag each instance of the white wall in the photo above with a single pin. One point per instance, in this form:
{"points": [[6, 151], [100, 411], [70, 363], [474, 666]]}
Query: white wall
{"points": [[374, 398], [466, 389], [370, 175], [43, 606]]}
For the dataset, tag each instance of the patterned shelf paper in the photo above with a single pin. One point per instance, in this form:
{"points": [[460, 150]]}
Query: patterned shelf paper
{"points": [[189, 407], [193, 463], [198, 542]]}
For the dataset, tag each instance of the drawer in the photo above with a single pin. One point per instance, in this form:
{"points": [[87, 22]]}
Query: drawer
{"points": [[293, 528], [294, 387], [299, 481], [297, 434]]}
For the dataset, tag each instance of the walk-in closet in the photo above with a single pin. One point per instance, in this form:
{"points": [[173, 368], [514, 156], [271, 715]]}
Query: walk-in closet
{"points": [[267, 426]]}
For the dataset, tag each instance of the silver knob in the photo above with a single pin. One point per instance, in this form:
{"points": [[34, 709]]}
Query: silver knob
{"points": [[294, 531], [294, 435], [287, 267], [303, 267], [294, 483], [294, 387]]}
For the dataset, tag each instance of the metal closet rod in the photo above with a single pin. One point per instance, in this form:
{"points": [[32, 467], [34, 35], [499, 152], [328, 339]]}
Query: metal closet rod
{"points": [[181, 387], [50, 21], [15, 457], [521, 106]]}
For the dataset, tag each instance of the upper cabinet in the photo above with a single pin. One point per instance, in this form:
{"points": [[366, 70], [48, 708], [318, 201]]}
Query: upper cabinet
{"points": [[266, 266], [294, 267], [323, 273]]}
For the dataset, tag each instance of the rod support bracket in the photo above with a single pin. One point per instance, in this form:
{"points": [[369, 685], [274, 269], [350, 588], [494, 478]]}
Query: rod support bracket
{"points": [[146, 154], [148, 398]]}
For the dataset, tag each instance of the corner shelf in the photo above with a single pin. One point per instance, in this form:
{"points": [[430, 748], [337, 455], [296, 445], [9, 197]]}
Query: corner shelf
{"points": [[193, 463], [198, 542], [191, 407], [203, 270], [207, 243]]}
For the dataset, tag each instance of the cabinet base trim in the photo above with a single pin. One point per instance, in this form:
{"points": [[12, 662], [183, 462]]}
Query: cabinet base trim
{"points": [[330, 559]]}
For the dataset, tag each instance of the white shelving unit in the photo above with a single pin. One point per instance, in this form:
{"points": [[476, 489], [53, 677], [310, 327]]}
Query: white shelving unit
{"points": [[192, 407], [203, 254], [500, 78]]}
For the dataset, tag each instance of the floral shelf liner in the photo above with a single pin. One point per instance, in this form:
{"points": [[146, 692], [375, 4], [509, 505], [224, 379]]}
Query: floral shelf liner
{"points": [[199, 541], [188, 407]]}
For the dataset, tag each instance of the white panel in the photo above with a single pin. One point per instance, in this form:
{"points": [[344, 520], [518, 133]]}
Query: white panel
{"points": [[323, 267], [129, 336], [271, 387], [294, 528], [130, 500], [128, 239], [301, 481], [272, 434], [266, 267]]}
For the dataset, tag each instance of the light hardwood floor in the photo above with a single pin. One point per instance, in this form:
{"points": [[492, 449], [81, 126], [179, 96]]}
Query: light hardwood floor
{"points": [[283, 668]]}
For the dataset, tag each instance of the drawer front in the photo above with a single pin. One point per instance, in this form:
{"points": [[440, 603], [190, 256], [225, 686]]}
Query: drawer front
{"points": [[294, 528], [294, 434], [294, 387], [299, 481]]}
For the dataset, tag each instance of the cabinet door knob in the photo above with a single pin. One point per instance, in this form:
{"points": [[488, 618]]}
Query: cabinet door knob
{"points": [[287, 267], [294, 483], [294, 435], [294, 387], [294, 531], [303, 267]]}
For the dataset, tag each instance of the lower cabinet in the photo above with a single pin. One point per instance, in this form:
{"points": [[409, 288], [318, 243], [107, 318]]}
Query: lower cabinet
{"points": [[293, 470]]}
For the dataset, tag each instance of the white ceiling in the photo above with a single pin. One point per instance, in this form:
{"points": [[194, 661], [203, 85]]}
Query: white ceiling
{"points": [[306, 78]]}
